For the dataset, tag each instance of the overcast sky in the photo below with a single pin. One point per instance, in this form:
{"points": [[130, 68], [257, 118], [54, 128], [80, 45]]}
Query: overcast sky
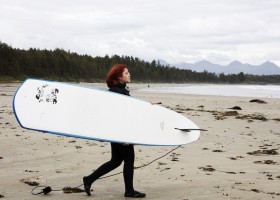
{"points": [[219, 31]]}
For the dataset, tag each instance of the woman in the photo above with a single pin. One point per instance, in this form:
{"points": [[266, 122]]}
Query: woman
{"points": [[116, 80]]}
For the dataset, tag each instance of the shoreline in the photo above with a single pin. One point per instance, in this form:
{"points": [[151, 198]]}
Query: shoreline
{"points": [[237, 158], [145, 87]]}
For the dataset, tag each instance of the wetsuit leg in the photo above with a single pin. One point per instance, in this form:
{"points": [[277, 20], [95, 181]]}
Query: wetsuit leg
{"points": [[116, 160], [128, 168]]}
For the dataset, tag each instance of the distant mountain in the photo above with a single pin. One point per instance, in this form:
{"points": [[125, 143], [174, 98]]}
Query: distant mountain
{"points": [[163, 62], [235, 67]]}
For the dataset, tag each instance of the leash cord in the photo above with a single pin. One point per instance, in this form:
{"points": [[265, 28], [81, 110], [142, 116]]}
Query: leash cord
{"points": [[48, 189]]}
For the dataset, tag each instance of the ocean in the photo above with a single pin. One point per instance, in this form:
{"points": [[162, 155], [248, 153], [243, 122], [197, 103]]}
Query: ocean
{"points": [[258, 91]]}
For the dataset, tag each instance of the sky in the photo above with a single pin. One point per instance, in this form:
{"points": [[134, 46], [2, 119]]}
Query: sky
{"points": [[176, 31]]}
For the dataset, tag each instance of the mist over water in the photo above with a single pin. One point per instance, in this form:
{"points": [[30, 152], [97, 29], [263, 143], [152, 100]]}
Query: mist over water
{"points": [[264, 91]]}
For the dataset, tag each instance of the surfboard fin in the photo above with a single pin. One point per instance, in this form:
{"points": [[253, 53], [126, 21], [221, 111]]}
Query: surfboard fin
{"points": [[190, 129]]}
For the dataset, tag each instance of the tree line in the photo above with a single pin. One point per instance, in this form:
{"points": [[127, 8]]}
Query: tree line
{"points": [[61, 65]]}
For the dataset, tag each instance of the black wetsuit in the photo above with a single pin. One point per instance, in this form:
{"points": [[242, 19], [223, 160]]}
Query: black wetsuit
{"points": [[120, 153]]}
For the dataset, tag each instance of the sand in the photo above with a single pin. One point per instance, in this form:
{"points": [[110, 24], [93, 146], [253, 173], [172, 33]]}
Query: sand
{"points": [[237, 158]]}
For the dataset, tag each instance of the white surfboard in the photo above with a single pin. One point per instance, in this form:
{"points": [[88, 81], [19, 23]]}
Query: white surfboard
{"points": [[89, 113]]}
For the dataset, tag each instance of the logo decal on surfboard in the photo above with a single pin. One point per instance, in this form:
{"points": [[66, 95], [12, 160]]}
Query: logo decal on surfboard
{"points": [[162, 125], [46, 94]]}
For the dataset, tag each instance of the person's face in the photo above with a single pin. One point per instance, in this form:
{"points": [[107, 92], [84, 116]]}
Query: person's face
{"points": [[125, 78]]}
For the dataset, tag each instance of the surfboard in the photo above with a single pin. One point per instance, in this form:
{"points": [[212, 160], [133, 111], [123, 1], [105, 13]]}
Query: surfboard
{"points": [[95, 114]]}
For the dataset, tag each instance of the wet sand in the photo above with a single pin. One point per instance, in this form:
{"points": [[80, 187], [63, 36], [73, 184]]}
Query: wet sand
{"points": [[237, 158]]}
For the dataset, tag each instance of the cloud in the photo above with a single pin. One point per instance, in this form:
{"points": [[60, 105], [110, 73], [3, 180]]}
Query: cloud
{"points": [[180, 31]]}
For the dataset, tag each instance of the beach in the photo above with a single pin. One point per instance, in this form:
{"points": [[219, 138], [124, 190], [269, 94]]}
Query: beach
{"points": [[237, 158]]}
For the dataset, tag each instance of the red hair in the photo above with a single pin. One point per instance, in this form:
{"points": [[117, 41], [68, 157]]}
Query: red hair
{"points": [[114, 74]]}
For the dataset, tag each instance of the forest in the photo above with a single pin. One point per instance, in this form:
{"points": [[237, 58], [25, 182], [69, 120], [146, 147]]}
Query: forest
{"points": [[58, 64]]}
